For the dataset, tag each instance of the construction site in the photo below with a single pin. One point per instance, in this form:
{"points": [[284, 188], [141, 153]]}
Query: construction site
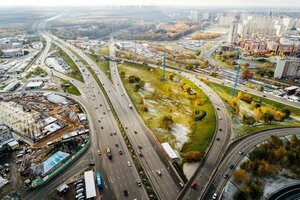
{"points": [[50, 131]]}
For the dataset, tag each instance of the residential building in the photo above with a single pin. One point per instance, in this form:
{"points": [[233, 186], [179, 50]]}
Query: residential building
{"points": [[232, 35], [257, 24], [289, 69], [194, 15]]}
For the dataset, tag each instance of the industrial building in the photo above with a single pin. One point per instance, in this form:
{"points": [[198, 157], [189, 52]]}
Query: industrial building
{"points": [[6, 138], [12, 86], [34, 85], [289, 69]]}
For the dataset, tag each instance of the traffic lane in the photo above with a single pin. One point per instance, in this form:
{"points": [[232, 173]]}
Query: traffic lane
{"points": [[128, 179], [233, 157], [150, 162]]}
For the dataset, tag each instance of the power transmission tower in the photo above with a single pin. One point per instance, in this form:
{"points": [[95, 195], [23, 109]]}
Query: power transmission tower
{"points": [[163, 77], [236, 80]]}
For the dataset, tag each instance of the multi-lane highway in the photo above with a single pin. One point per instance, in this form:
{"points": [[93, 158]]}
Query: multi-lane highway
{"points": [[118, 176], [167, 185], [232, 156]]}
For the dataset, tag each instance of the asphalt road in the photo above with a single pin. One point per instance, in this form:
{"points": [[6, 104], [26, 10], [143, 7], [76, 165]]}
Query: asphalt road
{"points": [[288, 193], [165, 185], [232, 156], [117, 176]]}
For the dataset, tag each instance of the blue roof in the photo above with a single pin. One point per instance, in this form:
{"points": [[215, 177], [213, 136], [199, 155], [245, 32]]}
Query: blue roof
{"points": [[53, 160]]}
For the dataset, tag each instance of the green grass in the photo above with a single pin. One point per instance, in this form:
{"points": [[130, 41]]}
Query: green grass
{"points": [[103, 64], [171, 100], [104, 50], [241, 129], [76, 74], [215, 57], [53, 47], [72, 89], [36, 72]]}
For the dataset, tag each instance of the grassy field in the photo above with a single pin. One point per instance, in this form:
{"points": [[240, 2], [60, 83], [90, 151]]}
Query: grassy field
{"points": [[36, 72], [169, 99], [215, 57], [76, 72], [104, 50], [102, 64], [72, 89], [241, 129]]}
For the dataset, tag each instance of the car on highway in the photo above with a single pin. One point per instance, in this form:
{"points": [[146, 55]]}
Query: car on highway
{"points": [[129, 164], [218, 108], [99, 152], [117, 145], [141, 155], [193, 185], [241, 152], [111, 134], [115, 133], [231, 166], [120, 152], [215, 195], [135, 132], [125, 192], [220, 118], [158, 172], [140, 147], [226, 175], [138, 182], [102, 127]]}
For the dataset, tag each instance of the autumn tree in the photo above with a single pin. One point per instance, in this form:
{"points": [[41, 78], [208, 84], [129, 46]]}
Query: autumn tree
{"points": [[241, 176], [192, 156], [247, 74]]}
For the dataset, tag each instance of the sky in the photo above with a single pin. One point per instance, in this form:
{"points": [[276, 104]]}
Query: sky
{"points": [[46, 3]]}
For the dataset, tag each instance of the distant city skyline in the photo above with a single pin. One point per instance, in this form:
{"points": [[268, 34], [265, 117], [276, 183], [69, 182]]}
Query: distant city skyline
{"points": [[253, 3]]}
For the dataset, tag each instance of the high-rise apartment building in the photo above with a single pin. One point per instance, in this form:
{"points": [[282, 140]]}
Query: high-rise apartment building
{"points": [[289, 69], [232, 34]]}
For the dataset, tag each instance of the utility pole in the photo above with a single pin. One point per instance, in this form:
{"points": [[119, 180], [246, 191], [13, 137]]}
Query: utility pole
{"points": [[163, 77], [236, 80]]}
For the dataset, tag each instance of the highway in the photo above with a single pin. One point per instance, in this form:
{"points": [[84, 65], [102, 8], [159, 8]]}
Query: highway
{"points": [[232, 156], [116, 173], [291, 192], [166, 186]]}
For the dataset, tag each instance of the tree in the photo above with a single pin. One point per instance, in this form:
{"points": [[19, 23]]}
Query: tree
{"points": [[241, 176], [122, 74], [295, 142], [166, 121], [192, 156], [287, 112], [247, 74], [267, 117]]}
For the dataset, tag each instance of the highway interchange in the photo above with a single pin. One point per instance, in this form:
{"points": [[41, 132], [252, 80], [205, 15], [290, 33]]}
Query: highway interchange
{"points": [[117, 175]]}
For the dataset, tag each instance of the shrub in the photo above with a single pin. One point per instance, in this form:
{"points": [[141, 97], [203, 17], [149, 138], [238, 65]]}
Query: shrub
{"points": [[192, 156]]}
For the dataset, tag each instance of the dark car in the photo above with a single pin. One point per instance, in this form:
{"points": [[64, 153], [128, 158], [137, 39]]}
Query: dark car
{"points": [[226, 175], [120, 152], [231, 166], [125, 193]]}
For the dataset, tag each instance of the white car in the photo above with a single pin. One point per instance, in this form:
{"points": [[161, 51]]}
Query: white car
{"points": [[128, 164], [215, 196]]}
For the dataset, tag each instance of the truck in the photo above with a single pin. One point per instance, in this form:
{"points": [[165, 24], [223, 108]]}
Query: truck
{"points": [[108, 153]]}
